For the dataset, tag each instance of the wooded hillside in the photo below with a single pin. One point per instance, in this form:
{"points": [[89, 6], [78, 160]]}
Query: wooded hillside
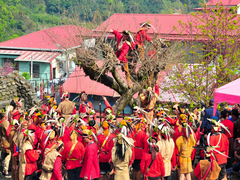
{"points": [[19, 17]]}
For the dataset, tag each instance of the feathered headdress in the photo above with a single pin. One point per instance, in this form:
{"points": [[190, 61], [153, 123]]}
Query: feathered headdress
{"points": [[148, 23], [217, 125], [124, 141], [189, 130], [209, 151], [29, 133], [65, 95]]}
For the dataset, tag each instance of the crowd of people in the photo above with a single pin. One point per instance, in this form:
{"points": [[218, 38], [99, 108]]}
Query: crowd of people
{"points": [[57, 142]]}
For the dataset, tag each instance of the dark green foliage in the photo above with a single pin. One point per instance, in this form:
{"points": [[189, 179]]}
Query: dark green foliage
{"points": [[18, 17]]}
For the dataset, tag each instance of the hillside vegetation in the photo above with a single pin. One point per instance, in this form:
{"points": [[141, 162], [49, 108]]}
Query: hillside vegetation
{"points": [[19, 17]]}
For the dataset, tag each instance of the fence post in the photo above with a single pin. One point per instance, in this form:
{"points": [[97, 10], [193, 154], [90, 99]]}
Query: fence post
{"points": [[47, 88], [100, 112], [123, 113]]}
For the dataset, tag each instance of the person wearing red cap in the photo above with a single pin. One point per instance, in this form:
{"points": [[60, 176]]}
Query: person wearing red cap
{"points": [[66, 108], [73, 156], [152, 165], [123, 47], [28, 157], [90, 167]]}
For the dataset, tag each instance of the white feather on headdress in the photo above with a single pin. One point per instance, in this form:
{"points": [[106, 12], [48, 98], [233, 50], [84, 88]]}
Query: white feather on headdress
{"points": [[49, 133], [219, 125], [33, 109], [213, 147]]}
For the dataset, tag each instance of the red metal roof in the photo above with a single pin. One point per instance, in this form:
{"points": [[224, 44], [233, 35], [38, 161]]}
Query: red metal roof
{"points": [[163, 23], [56, 38], [78, 82], [223, 2], [38, 56]]}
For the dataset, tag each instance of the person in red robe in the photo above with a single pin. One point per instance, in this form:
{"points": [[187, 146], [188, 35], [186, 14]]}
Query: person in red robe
{"points": [[85, 107], [106, 141], [90, 169], [28, 157], [141, 37], [52, 165], [45, 108], [208, 167], [220, 141], [152, 165], [123, 47], [229, 124], [16, 112], [73, 156], [139, 145]]}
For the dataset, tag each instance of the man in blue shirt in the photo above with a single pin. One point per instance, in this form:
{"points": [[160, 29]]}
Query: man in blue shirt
{"points": [[206, 125]]}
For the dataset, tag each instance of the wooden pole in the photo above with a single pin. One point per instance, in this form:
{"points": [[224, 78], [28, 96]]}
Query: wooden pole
{"points": [[123, 113], [100, 111]]}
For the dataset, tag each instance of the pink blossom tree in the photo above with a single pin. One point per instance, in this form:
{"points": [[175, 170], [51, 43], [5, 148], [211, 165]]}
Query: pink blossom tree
{"points": [[211, 58]]}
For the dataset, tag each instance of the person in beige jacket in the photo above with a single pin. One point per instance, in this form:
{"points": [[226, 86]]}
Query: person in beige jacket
{"points": [[166, 148], [121, 157]]}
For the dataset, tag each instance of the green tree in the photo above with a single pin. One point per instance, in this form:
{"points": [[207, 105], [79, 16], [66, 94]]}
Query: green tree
{"points": [[6, 19], [212, 57], [26, 75]]}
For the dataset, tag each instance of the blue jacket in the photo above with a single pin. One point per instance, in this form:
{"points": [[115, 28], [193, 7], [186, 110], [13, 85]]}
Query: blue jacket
{"points": [[207, 125]]}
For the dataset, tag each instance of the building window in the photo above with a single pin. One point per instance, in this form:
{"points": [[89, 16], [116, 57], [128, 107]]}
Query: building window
{"points": [[54, 73], [36, 70], [8, 60]]}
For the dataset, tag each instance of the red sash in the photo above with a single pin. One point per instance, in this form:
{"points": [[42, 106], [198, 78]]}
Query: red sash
{"points": [[9, 130]]}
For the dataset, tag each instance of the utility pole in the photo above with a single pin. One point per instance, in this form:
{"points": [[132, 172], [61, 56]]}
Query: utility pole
{"points": [[31, 69], [67, 65]]}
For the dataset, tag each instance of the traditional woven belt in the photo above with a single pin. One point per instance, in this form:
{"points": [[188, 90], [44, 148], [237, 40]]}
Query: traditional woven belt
{"points": [[148, 110], [73, 159], [47, 171]]}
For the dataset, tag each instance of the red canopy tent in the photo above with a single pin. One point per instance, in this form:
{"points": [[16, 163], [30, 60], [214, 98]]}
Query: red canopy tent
{"points": [[228, 93]]}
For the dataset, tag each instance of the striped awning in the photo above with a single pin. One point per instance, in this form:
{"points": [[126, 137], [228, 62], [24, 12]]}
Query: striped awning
{"points": [[37, 56]]}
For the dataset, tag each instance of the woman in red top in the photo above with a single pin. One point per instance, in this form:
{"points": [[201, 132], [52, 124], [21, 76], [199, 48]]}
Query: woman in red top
{"points": [[152, 165]]}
